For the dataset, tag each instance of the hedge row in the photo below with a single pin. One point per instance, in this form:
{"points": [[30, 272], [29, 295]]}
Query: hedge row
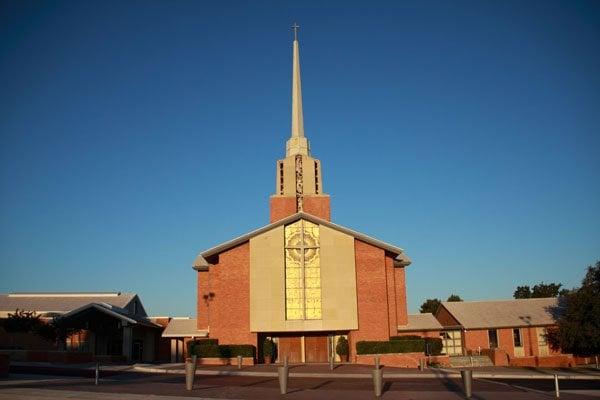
{"points": [[210, 348], [400, 344]]}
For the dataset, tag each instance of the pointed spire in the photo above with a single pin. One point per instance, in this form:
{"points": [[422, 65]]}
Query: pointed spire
{"points": [[297, 144], [297, 117]]}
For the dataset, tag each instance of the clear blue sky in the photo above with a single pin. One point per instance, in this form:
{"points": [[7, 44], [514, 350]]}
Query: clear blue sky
{"points": [[136, 134]]}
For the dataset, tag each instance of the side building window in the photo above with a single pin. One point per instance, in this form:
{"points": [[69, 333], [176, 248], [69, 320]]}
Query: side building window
{"points": [[493, 338], [302, 271], [517, 337]]}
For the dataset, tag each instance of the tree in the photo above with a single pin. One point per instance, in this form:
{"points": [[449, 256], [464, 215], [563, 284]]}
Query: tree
{"points": [[578, 317], [540, 290], [31, 322], [430, 305], [454, 297], [522, 292]]}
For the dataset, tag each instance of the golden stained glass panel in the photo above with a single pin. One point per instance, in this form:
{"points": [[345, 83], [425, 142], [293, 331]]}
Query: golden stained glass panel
{"points": [[302, 271]]}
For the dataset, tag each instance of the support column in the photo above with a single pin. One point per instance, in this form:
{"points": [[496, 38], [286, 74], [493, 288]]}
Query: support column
{"points": [[127, 342], [174, 350]]}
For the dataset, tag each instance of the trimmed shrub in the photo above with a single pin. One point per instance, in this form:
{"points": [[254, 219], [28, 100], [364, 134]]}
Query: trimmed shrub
{"points": [[269, 348], [434, 346], [192, 344], [407, 337], [223, 350], [342, 348], [392, 346]]}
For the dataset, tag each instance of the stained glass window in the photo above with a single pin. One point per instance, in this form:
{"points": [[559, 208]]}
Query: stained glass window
{"points": [[302, 271]]}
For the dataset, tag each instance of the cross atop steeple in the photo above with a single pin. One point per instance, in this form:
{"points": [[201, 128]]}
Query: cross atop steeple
{"points": [[295, 27]]}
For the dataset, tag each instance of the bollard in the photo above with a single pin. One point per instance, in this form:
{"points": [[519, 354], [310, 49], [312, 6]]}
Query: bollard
{"points": [[556, 388], [377, 361], [377, 381], [97, 379], [239, 362], [467, 377], [283, 377], [190, 372]]}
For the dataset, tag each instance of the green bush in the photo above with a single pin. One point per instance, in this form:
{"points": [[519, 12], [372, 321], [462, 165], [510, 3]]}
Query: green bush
{"points": [[392, 346], [205, 350], [342, 348], [407, 337], [192, 344], [434, 345], [269, 348]]}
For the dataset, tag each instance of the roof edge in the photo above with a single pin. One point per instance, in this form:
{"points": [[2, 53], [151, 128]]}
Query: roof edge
{"points": [[200, 262]]}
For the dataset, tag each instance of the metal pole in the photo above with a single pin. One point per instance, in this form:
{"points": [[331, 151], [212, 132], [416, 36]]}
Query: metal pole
{"points": [[467, 377], [331, 363], [597, 367], [556, 388], [239, 358], [283, 377], [377, 361], [377, 381], [190, 372], [97, 373]]}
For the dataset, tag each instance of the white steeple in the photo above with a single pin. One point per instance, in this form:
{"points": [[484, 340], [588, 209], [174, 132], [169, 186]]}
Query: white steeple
{"points": [[297, 144]]}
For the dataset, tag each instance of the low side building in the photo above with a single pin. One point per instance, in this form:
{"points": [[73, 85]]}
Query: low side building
{"points": [[178, 332], [424, 325], [108, 326], [517, 328]]}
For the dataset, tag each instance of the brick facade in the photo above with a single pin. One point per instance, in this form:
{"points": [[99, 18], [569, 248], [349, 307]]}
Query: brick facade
{"points": [[281, 207], [381, 299], [319, 206], [227, 312], [284, 206]]}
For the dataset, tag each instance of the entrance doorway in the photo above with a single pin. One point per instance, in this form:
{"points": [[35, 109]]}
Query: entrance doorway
{"points": [[304, 349]]}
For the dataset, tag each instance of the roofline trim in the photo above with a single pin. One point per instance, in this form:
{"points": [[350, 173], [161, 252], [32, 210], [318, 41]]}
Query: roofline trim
{"points": [[201, 264], [99, 308]]}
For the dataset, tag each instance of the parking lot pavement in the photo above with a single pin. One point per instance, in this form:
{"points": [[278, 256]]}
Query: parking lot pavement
{"points": [[134, 385]]}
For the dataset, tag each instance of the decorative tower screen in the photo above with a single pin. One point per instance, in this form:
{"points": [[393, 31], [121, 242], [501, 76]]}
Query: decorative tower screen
{"points": [[302, 271]]}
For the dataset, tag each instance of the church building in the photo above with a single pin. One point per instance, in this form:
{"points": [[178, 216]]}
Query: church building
{"points": [[302, 279]]}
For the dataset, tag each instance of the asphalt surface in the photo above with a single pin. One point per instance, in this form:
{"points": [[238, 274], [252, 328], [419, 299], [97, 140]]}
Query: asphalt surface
{"points": [[244, 387]]}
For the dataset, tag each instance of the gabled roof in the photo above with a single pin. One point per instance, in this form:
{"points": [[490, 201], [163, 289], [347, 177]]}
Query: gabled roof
{"points": [[502, 313], [421, 322], [115, 312], [60, 302], [183, 327], [200, 262]]}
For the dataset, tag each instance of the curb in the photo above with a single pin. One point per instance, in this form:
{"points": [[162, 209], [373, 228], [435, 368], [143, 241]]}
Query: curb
{"points": [[435, 375]]}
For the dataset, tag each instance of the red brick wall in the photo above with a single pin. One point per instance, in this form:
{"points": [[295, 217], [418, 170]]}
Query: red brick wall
{"points": [[445, 318], [402, 360], [228, 313], [202, 304], [476, 338], [371, 291], [505, 341], [391, 296], [281, 207], [400, 287], [319, 206]]}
